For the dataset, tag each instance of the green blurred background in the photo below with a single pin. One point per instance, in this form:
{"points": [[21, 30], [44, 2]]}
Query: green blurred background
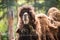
{"points": [[41, 6]]}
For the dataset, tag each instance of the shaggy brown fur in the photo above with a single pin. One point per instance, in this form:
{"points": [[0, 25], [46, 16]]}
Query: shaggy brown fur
{"points": [[33, 30], [53, 28], [46, 33], [55, 15], [51, 10]]}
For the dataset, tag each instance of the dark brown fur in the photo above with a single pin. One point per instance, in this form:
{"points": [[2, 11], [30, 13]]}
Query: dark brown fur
{"points": [[33, 28]]}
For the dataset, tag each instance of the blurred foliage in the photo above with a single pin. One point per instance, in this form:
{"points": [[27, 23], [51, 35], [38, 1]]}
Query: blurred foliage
{"points": [[4, 36], [41, 6]]}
